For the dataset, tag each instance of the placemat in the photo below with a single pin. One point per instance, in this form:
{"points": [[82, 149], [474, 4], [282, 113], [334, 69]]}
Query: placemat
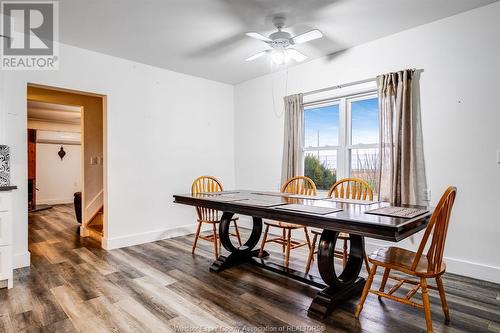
{"points": [[273, 194], [261, 203], [310, 209], [403, 212]]}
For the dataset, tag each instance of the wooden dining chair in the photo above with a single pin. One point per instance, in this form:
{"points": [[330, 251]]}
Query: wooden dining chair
{"points": [[416, 264], [211, 216], [296, 185], [347, 188]]}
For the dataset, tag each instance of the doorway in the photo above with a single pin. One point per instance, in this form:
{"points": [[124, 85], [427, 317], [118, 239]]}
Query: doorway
{"points": [[67, 155]]}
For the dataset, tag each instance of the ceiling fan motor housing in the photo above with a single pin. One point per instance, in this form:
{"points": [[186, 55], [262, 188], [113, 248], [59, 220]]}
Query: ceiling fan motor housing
{"points": [[280, 40]]}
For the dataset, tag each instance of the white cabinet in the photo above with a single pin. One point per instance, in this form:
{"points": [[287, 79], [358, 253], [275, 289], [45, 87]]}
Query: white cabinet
{"points": [[5, 229], [6, 270], [4, 201]]}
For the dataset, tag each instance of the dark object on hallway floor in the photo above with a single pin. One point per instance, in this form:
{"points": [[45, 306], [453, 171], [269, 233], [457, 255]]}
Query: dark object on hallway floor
{"points": [[77, 201], [39, 208]]}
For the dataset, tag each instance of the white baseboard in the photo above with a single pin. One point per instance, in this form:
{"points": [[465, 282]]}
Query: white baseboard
{"points": [[474, 270], [21, 260], [54, 201], [150, 236]]}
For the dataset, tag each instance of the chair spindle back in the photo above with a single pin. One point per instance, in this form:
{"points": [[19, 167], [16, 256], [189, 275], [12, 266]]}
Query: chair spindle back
{"points": [[206, 184], [438, 226], [299, 185], [351, 188]]}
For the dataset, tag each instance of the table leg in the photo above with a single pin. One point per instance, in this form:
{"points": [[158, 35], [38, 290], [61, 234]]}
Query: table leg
{"points": [[240, 254], [340, 287]]}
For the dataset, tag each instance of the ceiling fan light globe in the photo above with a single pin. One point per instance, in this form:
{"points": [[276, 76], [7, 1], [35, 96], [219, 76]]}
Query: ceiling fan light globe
{"points": [[279, 57]]}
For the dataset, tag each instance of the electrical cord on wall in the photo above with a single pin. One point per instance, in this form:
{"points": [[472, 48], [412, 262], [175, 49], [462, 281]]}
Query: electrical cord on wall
{"points": [[278, 115]]}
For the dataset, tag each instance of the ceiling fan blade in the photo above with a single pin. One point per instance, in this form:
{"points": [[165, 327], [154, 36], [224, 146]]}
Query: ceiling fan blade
{"points": [[258, 55], [296, 55], [258, 36], [307, 36]]}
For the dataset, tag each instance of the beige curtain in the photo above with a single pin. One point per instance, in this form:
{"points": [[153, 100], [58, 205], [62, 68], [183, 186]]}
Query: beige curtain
{"points": [[401, 160], [293, 164]]}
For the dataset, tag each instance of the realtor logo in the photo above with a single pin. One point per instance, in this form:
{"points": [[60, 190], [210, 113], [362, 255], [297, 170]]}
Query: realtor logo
{"points": [[30, 34]]}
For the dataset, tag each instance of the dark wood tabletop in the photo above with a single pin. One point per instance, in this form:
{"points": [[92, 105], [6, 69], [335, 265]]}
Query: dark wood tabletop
{"points": [[352, 219]]}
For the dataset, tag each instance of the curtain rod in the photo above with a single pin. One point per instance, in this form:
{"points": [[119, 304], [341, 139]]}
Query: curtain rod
{"points": [[339, 86]]}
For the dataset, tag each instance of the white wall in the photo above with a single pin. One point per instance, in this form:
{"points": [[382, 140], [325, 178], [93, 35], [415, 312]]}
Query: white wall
{"points": [[460, 57], [57, 180], [163, 130]]}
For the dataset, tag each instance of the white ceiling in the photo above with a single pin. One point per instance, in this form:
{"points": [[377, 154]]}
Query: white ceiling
{"points": [[206, 38], [55, 113]]}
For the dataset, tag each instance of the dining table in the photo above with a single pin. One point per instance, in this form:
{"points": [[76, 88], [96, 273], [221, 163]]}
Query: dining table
{"points": [[358, 218]]}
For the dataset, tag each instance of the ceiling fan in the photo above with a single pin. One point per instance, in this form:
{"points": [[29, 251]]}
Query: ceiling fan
{"points": [[281, 43]]}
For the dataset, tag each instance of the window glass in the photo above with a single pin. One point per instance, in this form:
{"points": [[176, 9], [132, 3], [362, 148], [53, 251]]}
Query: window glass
{"points": [[364, 165], [328, 156], [322, 126], [364, 121]]}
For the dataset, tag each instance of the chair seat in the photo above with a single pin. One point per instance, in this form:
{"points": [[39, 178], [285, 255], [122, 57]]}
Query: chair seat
{"points": [[402, 260], [284, 225]]}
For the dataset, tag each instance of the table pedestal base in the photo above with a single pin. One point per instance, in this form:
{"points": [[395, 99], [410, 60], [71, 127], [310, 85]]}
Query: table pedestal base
{"points": [[234, 259], [327, 299], [337, 288]]}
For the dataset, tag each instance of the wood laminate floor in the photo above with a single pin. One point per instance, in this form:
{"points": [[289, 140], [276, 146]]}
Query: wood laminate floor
{"points": [[73, 285]]}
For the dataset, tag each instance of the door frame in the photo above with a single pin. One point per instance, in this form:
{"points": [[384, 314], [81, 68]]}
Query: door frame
{"points": [[83, 230]]}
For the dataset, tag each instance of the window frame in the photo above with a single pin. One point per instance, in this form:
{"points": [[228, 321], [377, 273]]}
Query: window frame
{"points": [[345, 147]]}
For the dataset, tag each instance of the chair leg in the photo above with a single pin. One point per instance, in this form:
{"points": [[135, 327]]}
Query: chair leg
{"points": [[365, 259], [216, 243], [237, 232], [427, 304], [196, 236], [283, 245], [442, 295], [311, 253], [368, 284], [308, 240], [264, 239], [288, 246], [384, 280], [344, 253]]}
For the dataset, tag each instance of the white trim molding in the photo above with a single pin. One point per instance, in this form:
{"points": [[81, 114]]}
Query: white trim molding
{"points": [[150, 236], [93, 206]]}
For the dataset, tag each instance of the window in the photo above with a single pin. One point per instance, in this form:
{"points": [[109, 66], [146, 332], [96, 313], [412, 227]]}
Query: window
{"points": [[341, 139]]}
